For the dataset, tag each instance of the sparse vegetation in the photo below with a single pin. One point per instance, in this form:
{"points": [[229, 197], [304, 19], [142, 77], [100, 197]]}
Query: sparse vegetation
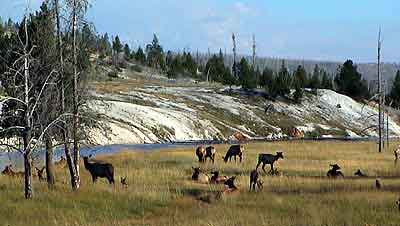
{"points": [[160, 186]]}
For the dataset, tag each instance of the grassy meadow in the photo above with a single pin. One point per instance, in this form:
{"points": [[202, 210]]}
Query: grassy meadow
{"points": [[161, 192]]}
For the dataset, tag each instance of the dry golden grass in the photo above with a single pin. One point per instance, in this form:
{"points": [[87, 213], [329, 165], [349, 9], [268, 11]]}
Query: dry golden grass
{"points": [[160, 191]]}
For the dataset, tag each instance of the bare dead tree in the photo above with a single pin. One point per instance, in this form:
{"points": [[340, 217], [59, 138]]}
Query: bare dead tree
{"points": [[62, 82], [380, 96], [75, 98], [78, 8]]}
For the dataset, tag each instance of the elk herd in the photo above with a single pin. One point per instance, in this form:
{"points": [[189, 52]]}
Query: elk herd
{"points": [[234, 152], [106, 170]]}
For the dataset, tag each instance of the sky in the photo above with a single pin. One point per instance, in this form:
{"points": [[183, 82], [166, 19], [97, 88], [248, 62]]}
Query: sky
{"points": [[333, 30]]}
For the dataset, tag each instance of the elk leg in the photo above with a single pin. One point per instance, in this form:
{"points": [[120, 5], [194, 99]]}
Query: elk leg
{"points": [[263, 168]]}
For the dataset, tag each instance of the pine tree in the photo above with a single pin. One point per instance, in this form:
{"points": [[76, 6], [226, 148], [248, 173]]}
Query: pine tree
{"points": [[282, 82], [266, 78], [300, 77], [246, 79], [117, 46], [127, 52], [315, 80], [326, 82], [348, 81], [140, 56], [395, 92], [155, 54]]}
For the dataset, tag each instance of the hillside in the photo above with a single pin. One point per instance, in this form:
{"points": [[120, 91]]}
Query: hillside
{"points": [[144, 110]]}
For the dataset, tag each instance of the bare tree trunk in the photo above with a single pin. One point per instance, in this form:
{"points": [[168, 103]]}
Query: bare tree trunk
{"points": [[49, 162], [27, 130], [64, 131], [75, 99]]}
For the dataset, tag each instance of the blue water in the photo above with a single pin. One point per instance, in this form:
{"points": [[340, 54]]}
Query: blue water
{"points": [[16, 158]]}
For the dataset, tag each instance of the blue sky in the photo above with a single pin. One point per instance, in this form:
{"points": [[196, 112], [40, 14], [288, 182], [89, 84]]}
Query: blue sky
{"points": [[301, 29]]}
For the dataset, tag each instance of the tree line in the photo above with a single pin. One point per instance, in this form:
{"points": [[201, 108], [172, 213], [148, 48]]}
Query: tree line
{"points": [[347, 80]]}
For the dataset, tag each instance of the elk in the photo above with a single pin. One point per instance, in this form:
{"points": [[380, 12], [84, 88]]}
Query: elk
{"points": [[40, 173], [123, 182], [359, 173], [378, 184], [255, 181], [396, 154], [230, 186], [335, 171], [269, 159], [199, 176], [9, 172], [216, 179], [62, 162], [102, 170], [233, 151], [210, 153], [201, 153]]}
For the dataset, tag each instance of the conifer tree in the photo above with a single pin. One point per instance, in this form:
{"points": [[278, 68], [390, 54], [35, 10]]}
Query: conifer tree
{"points": [[395, 92], [349, 81]]}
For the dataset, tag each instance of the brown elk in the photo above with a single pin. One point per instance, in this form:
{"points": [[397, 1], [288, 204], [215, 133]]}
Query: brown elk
{"points": [[40, 173], [210, 153], [255, 181], [217, 179], [201, 153], [233, 151], [199, 176], [9, 172]]}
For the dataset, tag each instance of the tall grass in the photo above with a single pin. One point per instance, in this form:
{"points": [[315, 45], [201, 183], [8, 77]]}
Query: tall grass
{"points": [[160, 191]]}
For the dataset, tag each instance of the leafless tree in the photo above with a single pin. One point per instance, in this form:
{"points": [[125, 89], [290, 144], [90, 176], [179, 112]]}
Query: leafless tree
{"points": [[62, 87]]}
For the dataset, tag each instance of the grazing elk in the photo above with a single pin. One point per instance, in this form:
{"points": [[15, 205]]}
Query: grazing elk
{"points": [[216, 179], [210, 153], [269, 159], [9, 172], [359, 173], [199, 176], [123, 182], [102, 170], [233, 151], [255, 181], [40, 173], [201, 153], [378, 184], [335, 171]]}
